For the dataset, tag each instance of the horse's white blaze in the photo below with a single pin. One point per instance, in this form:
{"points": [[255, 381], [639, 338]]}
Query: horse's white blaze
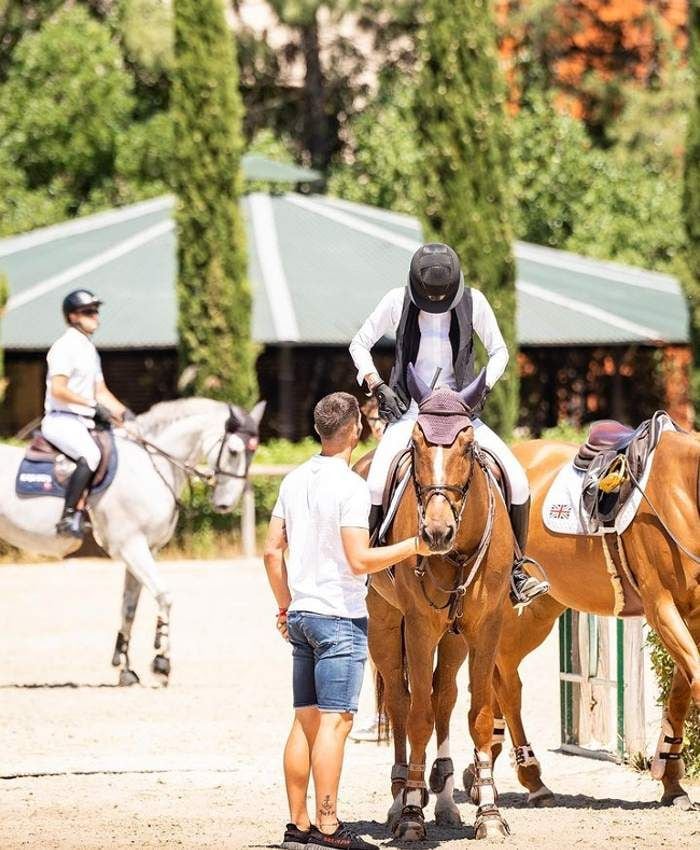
{"points": [[438, 470]]}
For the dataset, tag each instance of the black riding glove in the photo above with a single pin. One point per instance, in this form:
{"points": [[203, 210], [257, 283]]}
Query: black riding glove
{"points": [[128, 415], [479, 406], [103, 416], [391, 408]]}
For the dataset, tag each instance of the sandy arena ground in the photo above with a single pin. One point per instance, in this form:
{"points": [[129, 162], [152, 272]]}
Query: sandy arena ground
{"points": [[84, 764]]}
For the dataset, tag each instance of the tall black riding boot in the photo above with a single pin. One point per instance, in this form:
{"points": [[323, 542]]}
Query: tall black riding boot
{"points": [[71, 523], [524, 587]]}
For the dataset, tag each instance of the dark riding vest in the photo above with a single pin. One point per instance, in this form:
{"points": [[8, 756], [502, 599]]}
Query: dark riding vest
{"points": [[408, 342]]}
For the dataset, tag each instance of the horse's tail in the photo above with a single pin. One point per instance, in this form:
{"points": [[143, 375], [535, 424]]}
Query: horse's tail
{"points": [[383, 721]]}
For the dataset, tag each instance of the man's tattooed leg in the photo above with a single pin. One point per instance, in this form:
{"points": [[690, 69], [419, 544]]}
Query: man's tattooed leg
{"points": [[327, 817]]}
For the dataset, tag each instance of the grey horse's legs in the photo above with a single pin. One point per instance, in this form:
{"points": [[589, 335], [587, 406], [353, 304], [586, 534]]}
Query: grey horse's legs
{"points": [[141, 564], [130, 601]]}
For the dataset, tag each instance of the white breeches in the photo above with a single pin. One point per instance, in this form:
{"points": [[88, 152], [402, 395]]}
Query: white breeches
{"points": [[72, 437], [398, 435]]}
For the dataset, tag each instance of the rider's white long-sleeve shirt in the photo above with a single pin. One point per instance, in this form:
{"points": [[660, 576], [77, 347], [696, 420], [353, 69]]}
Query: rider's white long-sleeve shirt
{"points": [[435, 349]]}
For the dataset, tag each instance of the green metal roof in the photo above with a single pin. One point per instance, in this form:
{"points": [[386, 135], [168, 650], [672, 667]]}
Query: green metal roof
{"points": [[318, 265], [257, 167]]}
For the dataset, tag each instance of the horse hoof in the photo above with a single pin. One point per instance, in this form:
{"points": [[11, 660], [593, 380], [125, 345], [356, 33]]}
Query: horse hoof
{"points": [[448, 817], [682, 802], [127, 678], [410, 830], [411, 825], [161, 666], [491, 826], [468, 779], [543, 798]]}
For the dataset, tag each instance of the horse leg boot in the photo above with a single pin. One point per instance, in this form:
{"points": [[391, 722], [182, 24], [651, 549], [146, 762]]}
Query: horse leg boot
{"points": [[509, 690], [667, 764], [482, 641], [385, 638], [140, 562], [130, 600], [452, 651], [420, 652]]}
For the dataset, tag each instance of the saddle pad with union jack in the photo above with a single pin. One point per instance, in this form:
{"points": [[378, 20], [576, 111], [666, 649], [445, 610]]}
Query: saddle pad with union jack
{"points": [[561, 509]]}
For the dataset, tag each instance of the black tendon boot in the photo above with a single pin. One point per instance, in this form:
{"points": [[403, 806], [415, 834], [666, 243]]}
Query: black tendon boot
{"points": [[71, 523], [523, 587], [376, 515]]}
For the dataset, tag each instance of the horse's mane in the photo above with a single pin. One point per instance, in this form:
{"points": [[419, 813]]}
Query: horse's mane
{"points": [[163, 414]]}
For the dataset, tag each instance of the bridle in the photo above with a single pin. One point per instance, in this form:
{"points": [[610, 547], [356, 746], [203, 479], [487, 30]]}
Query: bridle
{"points": [[433, 490], [250, 443], [424, 493], [233, 426]]}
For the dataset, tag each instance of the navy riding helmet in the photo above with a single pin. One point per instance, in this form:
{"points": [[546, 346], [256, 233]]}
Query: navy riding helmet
{"points": [[78, 300]]}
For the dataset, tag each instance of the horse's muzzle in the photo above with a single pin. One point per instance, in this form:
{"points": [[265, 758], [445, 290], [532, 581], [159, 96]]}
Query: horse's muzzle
{"points": [[439, 537]]}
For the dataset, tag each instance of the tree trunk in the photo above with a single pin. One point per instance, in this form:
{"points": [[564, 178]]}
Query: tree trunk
{"points": [[315, 119]]}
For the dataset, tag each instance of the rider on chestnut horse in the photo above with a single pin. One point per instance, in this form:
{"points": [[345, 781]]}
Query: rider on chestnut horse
{"points": [[435, 318]]}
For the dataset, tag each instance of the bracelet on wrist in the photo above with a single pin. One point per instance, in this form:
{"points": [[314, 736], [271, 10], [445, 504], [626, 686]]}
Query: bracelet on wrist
{"points": [[282, 612]]}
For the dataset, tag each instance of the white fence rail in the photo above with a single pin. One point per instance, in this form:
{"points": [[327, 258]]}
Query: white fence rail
{"points": [[248, 518]]}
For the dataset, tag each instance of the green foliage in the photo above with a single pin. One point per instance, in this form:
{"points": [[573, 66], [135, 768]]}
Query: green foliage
{"points": [[464, 173], [213, 294], [550, 157], [691, 189], [278, 149], [380, 167], [66, 100], [663, 666], [628, 213], [144, 154]]}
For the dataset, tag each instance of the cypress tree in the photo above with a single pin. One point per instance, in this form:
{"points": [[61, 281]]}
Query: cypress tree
{"points": [[691, 195], [213, 295], [463, 170]]}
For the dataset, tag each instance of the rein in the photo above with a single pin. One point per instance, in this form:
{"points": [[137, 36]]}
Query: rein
{"points": [[455, 594], [207, 476]]}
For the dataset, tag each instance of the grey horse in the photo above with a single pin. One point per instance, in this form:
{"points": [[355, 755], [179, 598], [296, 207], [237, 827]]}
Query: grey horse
{"points": [[137, 514]]}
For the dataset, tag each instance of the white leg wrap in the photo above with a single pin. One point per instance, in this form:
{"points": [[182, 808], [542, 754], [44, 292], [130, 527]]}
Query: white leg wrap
{"points": [[484, 789], [663, 755], [523, 757], [499, 731]]}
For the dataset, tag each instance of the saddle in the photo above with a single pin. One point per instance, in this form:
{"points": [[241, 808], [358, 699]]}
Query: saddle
{"points": [[45, 470], [613, 457]]}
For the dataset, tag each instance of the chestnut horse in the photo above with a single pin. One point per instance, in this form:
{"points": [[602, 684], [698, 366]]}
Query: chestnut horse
{"points": [[669, 586], [455, 506]]}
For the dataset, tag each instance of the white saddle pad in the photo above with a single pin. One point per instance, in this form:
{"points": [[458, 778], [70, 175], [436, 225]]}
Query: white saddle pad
{"points": [[561, 510]]}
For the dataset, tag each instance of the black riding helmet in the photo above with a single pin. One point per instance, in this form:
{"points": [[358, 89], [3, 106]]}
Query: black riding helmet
{"points": [[435, 280], [78, 300]]}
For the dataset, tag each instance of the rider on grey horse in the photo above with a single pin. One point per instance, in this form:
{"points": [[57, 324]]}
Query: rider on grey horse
{"points": [[435, 317], [77, 399]]}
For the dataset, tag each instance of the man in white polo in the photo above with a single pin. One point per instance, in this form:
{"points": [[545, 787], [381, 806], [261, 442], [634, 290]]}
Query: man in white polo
{"points": [[321, 520]]}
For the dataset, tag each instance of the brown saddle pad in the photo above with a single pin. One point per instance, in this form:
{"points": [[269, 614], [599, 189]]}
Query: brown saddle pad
{"points": [[40, 449]]}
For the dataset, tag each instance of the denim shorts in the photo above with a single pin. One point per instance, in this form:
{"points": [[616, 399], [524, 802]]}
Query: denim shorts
{"points": [[329, 660]]}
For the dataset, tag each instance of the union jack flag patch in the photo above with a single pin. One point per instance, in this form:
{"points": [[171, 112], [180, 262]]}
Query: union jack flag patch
{"points": [[560, 512]]}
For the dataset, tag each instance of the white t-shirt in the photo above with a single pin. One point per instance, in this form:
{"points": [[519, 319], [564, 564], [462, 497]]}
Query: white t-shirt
{"points": [[74, 356], [315, 501]]}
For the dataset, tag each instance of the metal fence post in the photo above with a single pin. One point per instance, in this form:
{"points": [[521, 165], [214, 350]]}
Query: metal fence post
{"points": [[248, 522]]}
